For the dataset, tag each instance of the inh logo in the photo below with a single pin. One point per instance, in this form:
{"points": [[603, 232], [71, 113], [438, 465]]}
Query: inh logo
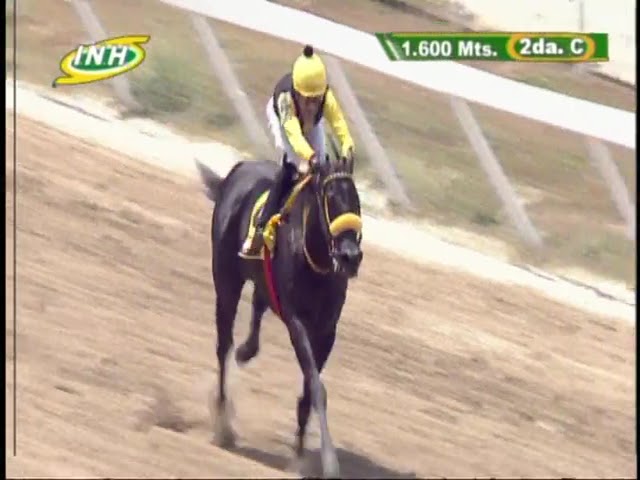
{"points": [[102, 60]]}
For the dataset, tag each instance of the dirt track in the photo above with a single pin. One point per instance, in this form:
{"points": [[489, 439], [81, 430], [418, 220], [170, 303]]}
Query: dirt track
{"points": [[434, 373]]}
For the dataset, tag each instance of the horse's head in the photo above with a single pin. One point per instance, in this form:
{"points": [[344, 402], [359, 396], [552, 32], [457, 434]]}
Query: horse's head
{"points": [[339, 207]]}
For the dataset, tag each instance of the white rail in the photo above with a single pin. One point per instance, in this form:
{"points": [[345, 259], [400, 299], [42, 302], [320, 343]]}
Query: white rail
{"points": [[588, 118]]}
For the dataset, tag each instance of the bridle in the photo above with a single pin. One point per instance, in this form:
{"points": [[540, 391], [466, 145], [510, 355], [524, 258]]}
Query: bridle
{"points": [[332, 228]]}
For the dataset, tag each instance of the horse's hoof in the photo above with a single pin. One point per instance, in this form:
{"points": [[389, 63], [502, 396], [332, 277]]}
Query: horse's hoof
{"points": [[224, 436], [298, 466], [330, 467], [226, 442], [245, 352]]}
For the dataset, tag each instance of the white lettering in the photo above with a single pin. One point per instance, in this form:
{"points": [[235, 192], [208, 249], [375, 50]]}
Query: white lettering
{"points": [[95, 55], [118, 52], [577, 46], [78, 57], [465, 49]]}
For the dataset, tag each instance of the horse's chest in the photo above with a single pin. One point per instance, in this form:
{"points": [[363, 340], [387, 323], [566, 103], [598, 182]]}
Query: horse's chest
{"points": [[315, 302]]}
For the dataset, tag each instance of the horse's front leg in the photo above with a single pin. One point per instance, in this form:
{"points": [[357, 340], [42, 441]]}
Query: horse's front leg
{"points": [[312, 355]]}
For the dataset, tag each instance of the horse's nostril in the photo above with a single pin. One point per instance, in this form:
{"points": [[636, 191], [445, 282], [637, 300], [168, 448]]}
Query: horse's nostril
{"points": [[351, 256]]}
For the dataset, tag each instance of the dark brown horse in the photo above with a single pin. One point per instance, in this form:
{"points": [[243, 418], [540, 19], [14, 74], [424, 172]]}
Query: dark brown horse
{"points": [[317, 251]]}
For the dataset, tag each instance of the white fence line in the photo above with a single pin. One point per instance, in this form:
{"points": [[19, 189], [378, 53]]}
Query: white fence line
{"points": [[580, 116]]}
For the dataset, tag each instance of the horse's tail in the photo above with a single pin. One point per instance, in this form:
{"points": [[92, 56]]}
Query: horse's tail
{"points": [[210, 179]]}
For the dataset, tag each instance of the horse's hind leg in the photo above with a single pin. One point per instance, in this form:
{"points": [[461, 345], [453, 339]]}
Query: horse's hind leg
{"points": [[251, 345], [227, 299]]}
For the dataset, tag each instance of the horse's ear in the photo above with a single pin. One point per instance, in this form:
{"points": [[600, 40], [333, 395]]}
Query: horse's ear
{"points": [[350, 165], [327, 166], [331, 165], [320, 171], [346, 164]]}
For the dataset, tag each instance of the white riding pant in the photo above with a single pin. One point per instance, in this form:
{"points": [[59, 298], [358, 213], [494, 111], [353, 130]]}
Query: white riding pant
{"points": [[315, 137]]}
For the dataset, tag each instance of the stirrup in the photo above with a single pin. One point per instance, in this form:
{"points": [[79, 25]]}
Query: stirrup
{"points": [[269, 233], [251, 246]]}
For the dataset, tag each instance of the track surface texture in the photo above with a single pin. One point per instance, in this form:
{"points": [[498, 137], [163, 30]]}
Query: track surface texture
{"points": [[434, 373]]}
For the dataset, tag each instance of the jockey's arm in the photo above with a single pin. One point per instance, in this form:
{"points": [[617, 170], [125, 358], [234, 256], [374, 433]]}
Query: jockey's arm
{"points": [[292, 127], [333, 113]]}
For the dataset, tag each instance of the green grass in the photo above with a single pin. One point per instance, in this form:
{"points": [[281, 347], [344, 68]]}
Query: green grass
{"points": [[565, 197]]}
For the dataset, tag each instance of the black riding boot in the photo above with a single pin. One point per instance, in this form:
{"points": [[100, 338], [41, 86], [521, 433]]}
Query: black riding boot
{"points": [[279, 190], [277, 195]]}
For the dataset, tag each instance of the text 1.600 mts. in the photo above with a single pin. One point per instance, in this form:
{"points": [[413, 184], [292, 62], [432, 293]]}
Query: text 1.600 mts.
{"points": [[444, 49]]}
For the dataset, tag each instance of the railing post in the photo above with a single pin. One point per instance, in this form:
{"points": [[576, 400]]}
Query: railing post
{"points": [[602, 161], [495, 173], [222, 69], [97, 32], [377, 154]]}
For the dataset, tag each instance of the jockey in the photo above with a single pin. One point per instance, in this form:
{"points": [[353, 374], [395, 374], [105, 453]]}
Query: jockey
{"points": [[301, 101]]}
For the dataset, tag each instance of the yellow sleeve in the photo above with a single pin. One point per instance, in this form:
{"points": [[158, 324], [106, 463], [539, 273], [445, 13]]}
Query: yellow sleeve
{"points": [[292, 128], [333, 113]]}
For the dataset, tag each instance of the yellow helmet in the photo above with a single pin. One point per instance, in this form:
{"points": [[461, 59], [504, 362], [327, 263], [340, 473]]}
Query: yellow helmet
{"points": [[309, 74]]}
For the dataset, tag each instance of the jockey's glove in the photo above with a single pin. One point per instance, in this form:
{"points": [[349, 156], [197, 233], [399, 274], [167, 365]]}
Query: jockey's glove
{"points": [[305, 167]]}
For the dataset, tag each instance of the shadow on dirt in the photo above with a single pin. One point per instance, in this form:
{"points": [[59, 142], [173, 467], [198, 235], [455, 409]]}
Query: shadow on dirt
{"points": [[352, 465]]}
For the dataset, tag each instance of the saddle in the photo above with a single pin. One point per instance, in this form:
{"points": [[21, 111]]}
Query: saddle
{"points": [[270, 230]]}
